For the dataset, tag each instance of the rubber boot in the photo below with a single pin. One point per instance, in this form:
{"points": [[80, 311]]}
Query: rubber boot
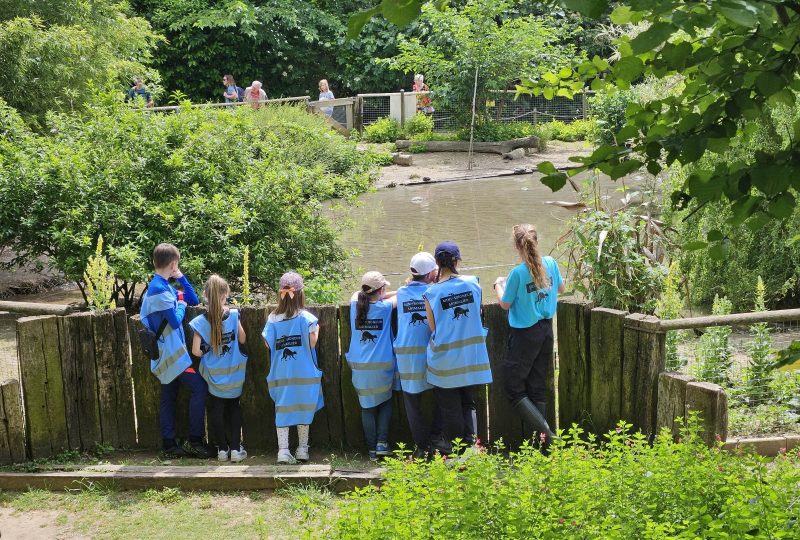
{"points": [[534, 418]]}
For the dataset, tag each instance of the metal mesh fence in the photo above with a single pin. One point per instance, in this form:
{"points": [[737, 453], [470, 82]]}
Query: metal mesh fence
{"points": [[760, 399], [375, 107]]}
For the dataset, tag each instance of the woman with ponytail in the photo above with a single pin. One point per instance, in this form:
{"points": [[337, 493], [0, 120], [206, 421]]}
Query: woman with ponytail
{"points": [[219, 342], [295, 380], [530, 295]]}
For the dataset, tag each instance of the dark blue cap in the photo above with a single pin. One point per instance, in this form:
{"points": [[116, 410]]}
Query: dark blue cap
{"points": [[451, 248]]}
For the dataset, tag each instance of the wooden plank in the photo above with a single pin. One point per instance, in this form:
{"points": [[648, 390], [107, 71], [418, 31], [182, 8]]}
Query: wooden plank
{"points": [[353, 432], [41, 381], [504, 422], [70, 378], [146, 392], [711, 402], [743, 319], [606, 353], [104, 357], [35, 308], [12, 428], [672, 401], [123, 381], [258, 409], [327, 428], [573, 328], [78, 331], [644, 358]]}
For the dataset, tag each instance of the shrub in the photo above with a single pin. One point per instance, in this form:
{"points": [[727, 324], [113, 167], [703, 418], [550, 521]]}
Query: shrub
{"points": [[417, 148], [714, 359], [759, 368], [669, 307], [625, 488], [418, 125], [98, 280], [608, 110], [383, 130]]}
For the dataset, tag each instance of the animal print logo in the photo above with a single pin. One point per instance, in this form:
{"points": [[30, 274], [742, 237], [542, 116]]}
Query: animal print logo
{"points": [[460, 312], [288, 354], [226, 349], [416, 319], [368, 337]]}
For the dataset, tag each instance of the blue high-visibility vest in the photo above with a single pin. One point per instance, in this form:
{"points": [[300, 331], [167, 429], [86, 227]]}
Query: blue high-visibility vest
{"points": [[224, 372], [173, 358], [413, 335], [295, 380], [457, 354], [371, 357]]}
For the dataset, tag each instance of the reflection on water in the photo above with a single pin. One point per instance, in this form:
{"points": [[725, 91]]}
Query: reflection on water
{"points": [[393, 224]]}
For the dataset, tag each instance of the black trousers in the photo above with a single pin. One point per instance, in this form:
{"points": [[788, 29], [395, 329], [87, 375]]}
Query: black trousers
{"points": [[529, 357], [457, 407], [421, 432], [225, 422]]}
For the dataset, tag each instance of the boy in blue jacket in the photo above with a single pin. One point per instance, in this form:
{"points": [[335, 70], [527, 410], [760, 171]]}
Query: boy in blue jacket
{"points": [[174, 365]]}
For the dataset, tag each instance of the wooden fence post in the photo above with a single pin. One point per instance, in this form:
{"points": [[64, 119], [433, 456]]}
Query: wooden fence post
{"points": [[358, 120], [42, 385], [12, 430], [672, 401], [353, 432], [711, 402], [606, 338], [327, 430], [504, 422], [258, 409], [123, 381], [643, 359], [146, 391], [573, 327]]}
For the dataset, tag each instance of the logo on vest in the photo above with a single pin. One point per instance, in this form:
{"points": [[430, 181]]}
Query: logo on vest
{"points": [[457, 299], [413, 306], [368, 337], [287, 354], [288, 341], [460, 312], [370, 324], [541, 294], [416, 319]]}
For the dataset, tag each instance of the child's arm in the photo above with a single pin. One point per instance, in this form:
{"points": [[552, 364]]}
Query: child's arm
{"points": [[189, 295], [242, 335], [196, 345], [313, 337], [429, 311]]}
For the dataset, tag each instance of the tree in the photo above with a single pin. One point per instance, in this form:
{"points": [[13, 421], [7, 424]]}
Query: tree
{"points": [[54, 55], [453, 43]]}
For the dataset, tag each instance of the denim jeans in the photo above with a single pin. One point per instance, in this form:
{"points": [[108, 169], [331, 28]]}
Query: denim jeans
{"points": [[198, 390], [376, 423]]}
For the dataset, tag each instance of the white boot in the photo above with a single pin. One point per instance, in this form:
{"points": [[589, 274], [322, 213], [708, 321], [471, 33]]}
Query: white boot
{"points": [[286, 457], [238, 455], [302, 453]]}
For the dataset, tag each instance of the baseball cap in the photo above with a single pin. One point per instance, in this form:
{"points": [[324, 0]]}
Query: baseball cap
{"points": [[374, 280], [291, 280], [451, 248], [422, 263]]}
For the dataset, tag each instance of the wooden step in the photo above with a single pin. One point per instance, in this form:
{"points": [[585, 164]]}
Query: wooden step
{"points": [[208, 478]]}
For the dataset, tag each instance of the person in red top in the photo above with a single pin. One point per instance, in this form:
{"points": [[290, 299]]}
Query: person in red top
{"points": [[423, 100]]}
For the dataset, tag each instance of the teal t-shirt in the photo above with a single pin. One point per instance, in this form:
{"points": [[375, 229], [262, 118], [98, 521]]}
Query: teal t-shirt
{"points": [[530, 305]]}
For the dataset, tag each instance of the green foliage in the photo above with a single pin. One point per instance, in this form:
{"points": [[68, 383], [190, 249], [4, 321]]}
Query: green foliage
{"points": [[417, 148], [490, 131], [608, 109], [578, 130], [54, 55], [98, 280], [322, 290], [608, 264], [759, 369], [669, 307], [209, 181], [623, 489], [714, 359], [383, 130], [778, 414], [419, 125], [246, 296]]}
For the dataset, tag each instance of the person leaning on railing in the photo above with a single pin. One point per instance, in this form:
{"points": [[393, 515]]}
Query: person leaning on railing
{"points": [[254, 95]]}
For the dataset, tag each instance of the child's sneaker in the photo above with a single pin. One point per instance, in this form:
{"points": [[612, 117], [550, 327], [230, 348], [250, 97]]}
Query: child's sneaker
{"points": [[238, 455], [196, 450], [222, 455], [373, 456], [301, 454], [382, 449], [285, 457], [173, 452]]}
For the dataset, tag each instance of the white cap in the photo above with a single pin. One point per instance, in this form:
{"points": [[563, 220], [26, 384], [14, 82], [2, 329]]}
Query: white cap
{"points": [[374, 280], [422, 263]]}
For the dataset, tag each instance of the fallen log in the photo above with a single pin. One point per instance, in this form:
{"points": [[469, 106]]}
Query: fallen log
{"points": [[500, 147]]}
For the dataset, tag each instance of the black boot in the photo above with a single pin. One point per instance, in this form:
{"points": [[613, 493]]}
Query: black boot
{"points": [[534, 418]]}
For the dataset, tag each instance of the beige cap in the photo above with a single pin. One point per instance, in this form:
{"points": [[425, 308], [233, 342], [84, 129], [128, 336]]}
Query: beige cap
{"points": [[374, 280]]}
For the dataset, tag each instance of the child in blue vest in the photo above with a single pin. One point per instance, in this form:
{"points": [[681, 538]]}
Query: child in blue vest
{"points": [[457, 356], [371, 359], [295, 380], [217, 338], [530, 295], [174, 365], [410, 348]]}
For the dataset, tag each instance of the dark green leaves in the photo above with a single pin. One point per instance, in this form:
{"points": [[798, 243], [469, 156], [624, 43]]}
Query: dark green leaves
{"points": [[398, 12], [628, 68], [769, 83], [651, 38], [782, 205], [590, 8], [555, 181], [358, 20]]}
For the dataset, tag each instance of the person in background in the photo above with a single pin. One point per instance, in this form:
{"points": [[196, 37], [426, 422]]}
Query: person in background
{"points": [[457, 357], [162, 307], [254, 94], [530, 294], [325, 94], [423, 100], [295, 380], [232, 93], [410, 348], [139, 90], [371, 359]]}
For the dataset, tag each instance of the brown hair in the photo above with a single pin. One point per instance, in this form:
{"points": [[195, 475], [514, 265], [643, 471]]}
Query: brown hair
{"points": [[164, 255], [289, 305], [362, 304], [215, 290], [445, 260], [230, 79], [527, 243]]}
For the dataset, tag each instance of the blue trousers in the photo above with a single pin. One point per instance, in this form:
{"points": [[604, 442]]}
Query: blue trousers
{"points": [[198, 390], [375, 421]]}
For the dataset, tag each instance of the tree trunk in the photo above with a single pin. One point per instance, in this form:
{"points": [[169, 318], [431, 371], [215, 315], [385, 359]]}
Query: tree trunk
{"points": [[500, 147]]}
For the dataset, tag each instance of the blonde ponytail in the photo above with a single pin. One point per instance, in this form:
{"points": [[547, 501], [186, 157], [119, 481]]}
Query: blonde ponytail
{"points": [[216, 288], [527, 243]]}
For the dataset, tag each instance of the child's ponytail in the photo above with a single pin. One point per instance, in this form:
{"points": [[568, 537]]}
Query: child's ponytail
{"points": [[215, 290], [527, 243], [362, 306]]}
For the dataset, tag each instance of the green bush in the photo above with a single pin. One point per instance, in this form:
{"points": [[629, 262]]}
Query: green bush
{"points": [[623, 489], [608, 110], [418, 125], [669, 307], [210, 181], [383, 130], [714, 360]]}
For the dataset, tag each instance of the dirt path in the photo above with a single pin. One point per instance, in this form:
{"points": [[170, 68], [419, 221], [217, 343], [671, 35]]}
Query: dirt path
{"points": [[440, 165], [34, 525]]}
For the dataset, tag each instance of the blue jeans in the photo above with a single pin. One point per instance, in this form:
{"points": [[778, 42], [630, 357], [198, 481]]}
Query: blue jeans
{"points": [[376, 423], [198, 390]]}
